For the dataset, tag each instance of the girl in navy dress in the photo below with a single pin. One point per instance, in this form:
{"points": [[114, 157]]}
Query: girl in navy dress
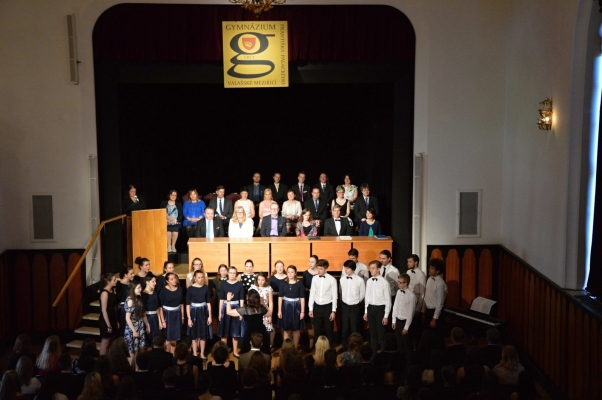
{"points": [[308, 276], [168, 267], [292, 305], [150, 300], [171, 314], [137, 324], [248, 277], [198, 309], [277, 277], [230, 326], [216, 288]]}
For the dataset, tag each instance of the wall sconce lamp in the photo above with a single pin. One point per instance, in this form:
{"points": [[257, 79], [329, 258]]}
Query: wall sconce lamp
{"points": [[545, 115]]}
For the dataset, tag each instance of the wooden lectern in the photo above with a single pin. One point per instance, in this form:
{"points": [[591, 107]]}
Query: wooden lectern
{"points": [[149, 237]]}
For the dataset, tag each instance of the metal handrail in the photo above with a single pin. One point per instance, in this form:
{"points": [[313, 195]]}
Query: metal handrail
{"points": [[83, 257]]}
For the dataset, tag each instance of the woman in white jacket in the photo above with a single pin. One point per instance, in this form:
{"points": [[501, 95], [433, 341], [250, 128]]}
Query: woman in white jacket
{"points": [[240, 225]]}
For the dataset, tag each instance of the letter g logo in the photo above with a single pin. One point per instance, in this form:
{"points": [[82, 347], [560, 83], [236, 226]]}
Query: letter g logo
{"points": [[249, 43]]}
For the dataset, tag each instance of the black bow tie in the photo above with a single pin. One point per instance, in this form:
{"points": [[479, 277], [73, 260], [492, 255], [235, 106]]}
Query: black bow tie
{"points": [[403, 291], [323, 276], [337, 220], [433, 278], [374, 279], [413, 271], [349, 277]]}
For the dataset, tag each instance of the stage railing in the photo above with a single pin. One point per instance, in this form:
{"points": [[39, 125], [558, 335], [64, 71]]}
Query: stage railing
{"points": [[77, 267], [560, 334]]}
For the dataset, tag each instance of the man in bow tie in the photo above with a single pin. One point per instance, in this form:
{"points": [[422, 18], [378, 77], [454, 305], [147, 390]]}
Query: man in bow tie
{"points": [[403, 318], [323, 301], [377, 306], [353, 290], [434, 298], [337, 225], [417, 285], [273, 225]]}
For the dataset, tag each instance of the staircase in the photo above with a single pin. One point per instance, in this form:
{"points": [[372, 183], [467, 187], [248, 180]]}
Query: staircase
{"points": [[89, 327]]}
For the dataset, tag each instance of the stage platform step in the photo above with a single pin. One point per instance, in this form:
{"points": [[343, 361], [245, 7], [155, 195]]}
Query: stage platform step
{"points": [[95, 303], [77, 344], [92, 316], [88, 330]]}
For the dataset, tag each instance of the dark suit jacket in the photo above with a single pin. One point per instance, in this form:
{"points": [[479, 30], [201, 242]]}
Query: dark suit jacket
{"points": [[320, 213], [330, 228], [360, 207], [280, 195], [492, 355], [244, 359], [228, 207], [266, 226], [328, 192], [306, 192], [201, 228], [261, 189], [160, 359]]}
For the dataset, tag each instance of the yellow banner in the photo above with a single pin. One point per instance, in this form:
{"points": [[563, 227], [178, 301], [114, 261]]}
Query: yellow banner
{"points": [[255, 54]]}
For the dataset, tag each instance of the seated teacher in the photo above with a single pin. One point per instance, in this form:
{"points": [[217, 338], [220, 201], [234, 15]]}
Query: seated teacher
{"points": [[370, 226], [306, 226], [240, 226]]}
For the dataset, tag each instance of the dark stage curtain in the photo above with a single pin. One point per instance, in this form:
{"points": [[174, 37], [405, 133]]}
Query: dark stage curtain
{"points": [[193, 33]]}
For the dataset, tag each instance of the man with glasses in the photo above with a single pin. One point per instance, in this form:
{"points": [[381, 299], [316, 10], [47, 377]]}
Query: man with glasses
{"points": [[403, 314]]}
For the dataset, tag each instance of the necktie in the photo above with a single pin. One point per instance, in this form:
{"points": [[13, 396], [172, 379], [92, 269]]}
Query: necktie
{"points": [[221, 208], [384, 271], [374, 279], [301, 192], [209, 229], [323, 185], [366, 200], [316, 204], [349, 277]]}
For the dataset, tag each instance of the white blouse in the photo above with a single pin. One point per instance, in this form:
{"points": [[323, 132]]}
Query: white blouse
{"points": [[291, 209], [244, 231]]}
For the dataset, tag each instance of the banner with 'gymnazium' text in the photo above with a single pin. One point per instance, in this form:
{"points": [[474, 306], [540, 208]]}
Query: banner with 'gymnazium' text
{"points": [[255, 54]]}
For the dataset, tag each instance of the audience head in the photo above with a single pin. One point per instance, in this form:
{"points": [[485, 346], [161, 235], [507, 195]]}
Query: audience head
{"points": [[25, 370], [457, 335], [322, 344], [413, 261], [92, 386], [473, 357], [329, 377], [118, 356], [428, 340], [169, 377], [204, 383], [220, 355], [366, 353], [187, 340], [385, 257], [253, 299], [310, 362], [103, 367], [127, 389], [193, 196], [509, 358], [22, 344], [493, 336], [143, 360], [291, 362], [181, 352], [52, 348], [65, 362], [258, 362], [350, 267], [50, 386], [322, 266], [256, 340], [88, 350], [368, 375], [436, 267], [250, 377], [330, 358], [449, 375], [287, 344], [355, 342], [414, 377], [11, 385], [374, 267], [159, 340]]}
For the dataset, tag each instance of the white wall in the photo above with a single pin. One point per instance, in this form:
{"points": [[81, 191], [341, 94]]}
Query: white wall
{"points": [[478, 81], [535, 179]]}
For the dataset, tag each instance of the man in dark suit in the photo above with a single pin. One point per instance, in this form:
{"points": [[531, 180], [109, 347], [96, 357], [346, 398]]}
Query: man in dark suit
{"points": [[256, 343], [273, 224], [301, 189], [222, 206], [256, 189], [143, 378], [337, 226], [160, 359], [326, 189], [492, 353], [364, 202], [278, 190], [317, 207], [209, 227]]}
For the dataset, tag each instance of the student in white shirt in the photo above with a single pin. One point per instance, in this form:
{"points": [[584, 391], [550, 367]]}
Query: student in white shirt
{"points": [[417, 286], [360, 268], [353, 290], [388, 271], [434, 295], [403, 317], [377, 306], [323, 301]]}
